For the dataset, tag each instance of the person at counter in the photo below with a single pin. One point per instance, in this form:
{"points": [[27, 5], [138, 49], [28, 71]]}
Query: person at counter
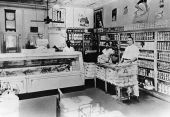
{"points": [[130, 55], [68, 47], [107, 53], [131, 52]]}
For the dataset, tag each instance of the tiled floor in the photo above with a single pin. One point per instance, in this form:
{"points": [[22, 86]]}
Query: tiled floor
{"points": [[147, 107]]}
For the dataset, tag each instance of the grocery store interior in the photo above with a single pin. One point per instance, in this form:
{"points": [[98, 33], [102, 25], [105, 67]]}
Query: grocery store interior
{"points": [[84, 58]]}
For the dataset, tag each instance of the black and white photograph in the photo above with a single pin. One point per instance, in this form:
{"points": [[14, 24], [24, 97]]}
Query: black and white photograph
{"points": [[84, 58]]}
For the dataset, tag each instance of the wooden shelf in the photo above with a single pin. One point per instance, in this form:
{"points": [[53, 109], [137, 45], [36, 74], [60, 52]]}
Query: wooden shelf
{"points": [[145, 67], [163, 40], [149, 30], [146, 76], [145, 40], [163, 60], [164, 50], [164, 80], [147, 58], [163, 70], [145, 50], [159, 95]]}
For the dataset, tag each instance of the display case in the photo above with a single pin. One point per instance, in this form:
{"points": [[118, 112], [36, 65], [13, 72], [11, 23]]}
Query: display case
{"points": [[76, 38], [39, 72], [153, 63], [83, 40]]}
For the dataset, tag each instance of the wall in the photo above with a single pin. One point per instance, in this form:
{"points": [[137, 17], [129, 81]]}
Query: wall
{"points": [[57, 36], [74, 15], [79, 13], [23, 21], [128, 18]]}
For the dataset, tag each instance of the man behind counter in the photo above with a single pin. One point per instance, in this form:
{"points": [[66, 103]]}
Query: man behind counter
{"points": [[130, 55], [108, 55], [131, 52]]}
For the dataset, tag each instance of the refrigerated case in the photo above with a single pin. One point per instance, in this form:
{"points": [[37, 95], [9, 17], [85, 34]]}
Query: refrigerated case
{"points": [[40, 72]]}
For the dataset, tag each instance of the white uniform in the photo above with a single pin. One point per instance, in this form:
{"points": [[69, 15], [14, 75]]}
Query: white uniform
{"points": [[131, 52], [67, 49]]}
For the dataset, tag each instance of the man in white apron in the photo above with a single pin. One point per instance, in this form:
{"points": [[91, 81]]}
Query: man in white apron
{"points": [[130, 55]]}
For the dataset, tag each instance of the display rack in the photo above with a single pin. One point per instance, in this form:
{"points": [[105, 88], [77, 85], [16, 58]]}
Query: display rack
{"points": [[110, 35], [154, 45], [90, 44], [153, 70], [145, 40], [163, 47], [76, 38], [40, 72], [84, 41]]}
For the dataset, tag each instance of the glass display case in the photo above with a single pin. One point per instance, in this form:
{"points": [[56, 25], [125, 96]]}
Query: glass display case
{"points": [[39, 72]]}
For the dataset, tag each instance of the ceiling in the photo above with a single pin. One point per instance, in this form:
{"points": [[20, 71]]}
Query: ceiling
{"points": [[83, 3], [24, 1], [65, 3]]}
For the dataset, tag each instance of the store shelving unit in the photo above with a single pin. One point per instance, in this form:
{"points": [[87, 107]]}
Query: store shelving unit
{"points": [[154, 59], [163, 47], [76, 38], [145, 40], [110, 35], [84, 41], [42, 71], [90, 45], [154, 44]]}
